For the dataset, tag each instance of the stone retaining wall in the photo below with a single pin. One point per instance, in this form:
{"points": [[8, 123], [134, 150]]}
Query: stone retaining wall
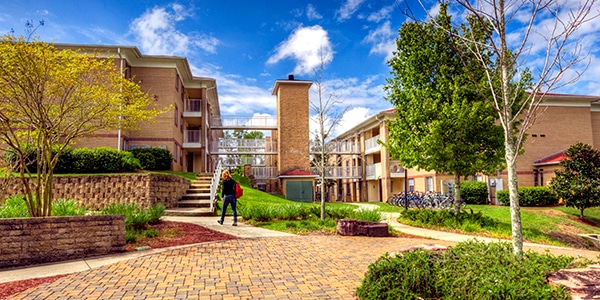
{"points": [[96, 192], [27, 241]]}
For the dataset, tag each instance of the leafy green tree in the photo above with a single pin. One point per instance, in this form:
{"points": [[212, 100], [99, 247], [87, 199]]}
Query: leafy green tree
{"points": [[443, 123], [578, 183], [49, 98]]}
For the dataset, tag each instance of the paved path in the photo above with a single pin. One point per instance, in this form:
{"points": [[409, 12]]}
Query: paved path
{"points": [[263, 264]]}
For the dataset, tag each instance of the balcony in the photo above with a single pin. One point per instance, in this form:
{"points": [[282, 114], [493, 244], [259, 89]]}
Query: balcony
{"points": [[191, 139], [237, 122], [264, 172], [373, 171], [338, 172], [243, 146], [396, 171], [372, 146], [192, 108], [344, 147]]}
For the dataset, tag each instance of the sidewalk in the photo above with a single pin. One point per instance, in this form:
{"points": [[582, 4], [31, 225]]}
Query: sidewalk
{"points": [[250, 232]]}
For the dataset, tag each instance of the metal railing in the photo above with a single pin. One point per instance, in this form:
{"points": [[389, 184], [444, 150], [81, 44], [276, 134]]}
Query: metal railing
{"points": [[372, 144], [336, 172], [214, 185], [191, 136], [264, 172], [396, 169], [344, 147], [193, 105], [237, 122], [243, 146]]}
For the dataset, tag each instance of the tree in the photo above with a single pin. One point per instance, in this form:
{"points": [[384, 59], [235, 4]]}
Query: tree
{"points": [[49, 98], [328, 115], [543, 28], [443, 123], [578, 183]]}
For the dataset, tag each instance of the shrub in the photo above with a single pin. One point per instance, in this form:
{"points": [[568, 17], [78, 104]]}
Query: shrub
{"points": [[14, 207], [83, 161], [474, 192], [470, 270], [129, 162], [530, 196], [467, 220], [367, 215], [153, 158], [135, 217], [67, 207], [107, 160]]}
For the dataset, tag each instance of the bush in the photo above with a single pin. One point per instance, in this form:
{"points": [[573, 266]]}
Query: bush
{"points": [[153, 158], [83, 161], [14, 207], [530, 196], [136, 218], [367, 215], [67, 207], [107, 160], [445, 218], [129, 162], [470, 270], [474, 192]]}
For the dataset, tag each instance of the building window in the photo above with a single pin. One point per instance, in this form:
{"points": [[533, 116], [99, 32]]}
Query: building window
{"points": [[181, 123], [127, 70], [175, 152], [347, 188], [535, 178], [181, 156], [176, 116], [542, 177], [429, 184], [177, 82], [411, 185]]}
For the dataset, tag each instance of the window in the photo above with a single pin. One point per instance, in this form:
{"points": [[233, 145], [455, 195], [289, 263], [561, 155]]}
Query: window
{"points": [[347, 188], [535, 178], [175, 152], [133, 147], [177, 82], [181, 123], [429, 184], [127, 70], [411, 185], [176, 116], [181, 156]]}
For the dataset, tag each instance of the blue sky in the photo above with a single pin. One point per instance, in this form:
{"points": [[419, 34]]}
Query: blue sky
{"points": [[247, 45]]}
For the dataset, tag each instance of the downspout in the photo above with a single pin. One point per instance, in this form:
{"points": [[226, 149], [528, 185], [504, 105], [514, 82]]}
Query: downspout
{"points": [[206, 131], [121, 91]]}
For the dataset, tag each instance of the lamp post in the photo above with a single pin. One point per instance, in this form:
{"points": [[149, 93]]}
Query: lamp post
{"points": [[405, 189]]}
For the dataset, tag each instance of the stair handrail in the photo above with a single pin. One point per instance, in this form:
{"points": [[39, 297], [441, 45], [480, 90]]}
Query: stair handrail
{"points": [[214, 185]]}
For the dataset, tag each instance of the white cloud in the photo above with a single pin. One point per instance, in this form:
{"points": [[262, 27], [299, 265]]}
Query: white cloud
{"points": [[156, 33], [382, 40], [348, 9], [352, 118], [307, 46], [312, 13], [382, 14]]}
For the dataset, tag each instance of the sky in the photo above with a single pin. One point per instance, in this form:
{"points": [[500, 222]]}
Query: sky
{"points": [[248, 45]]}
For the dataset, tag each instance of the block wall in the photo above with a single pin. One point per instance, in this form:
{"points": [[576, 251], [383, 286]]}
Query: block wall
{"points": [[97, 192], [27, 241]]}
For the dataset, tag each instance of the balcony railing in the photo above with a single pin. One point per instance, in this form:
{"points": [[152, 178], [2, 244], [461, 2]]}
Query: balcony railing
{"points": [[237, 122], [241, 160], [338, 172], [193, 108], [243, 146], [373, 171], [264, 172], [191, 139], [396, 170], [344, 147], [371, 145]]}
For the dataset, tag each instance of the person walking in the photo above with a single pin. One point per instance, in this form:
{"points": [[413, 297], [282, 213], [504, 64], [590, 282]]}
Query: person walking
{"points": [[228, 196]]}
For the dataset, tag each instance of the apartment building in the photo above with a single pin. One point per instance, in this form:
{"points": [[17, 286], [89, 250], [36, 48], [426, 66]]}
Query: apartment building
{"points": [[562, 121], [185, 129]]}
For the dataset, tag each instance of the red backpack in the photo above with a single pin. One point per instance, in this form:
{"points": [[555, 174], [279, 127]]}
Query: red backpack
{"points": [[239, 192]]}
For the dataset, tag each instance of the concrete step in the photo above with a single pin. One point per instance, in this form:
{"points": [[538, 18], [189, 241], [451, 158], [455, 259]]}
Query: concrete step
{"points": [[189, 212], [196, 190], [193, 203], [196, 196]]}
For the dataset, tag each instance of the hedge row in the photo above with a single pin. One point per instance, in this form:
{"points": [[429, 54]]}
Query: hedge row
{"points": [[530, 196], [100, 160]]}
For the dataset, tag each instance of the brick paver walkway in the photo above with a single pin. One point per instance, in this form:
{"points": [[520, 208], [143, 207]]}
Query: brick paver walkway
{"points": [[298, 267]]}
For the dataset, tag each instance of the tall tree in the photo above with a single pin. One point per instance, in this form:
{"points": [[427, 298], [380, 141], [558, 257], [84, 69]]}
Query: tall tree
{"points": [[49, 98], [520, 30], [443, 123], [578, 183]]}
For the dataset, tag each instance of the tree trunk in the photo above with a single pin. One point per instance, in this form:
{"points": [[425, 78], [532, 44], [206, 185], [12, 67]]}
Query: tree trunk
{"points": [[323, 195], [457, 200], [515, 209], [581, 213]]}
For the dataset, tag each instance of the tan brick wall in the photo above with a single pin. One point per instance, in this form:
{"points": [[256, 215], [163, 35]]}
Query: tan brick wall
{"points": [[97, 192], [293, 132], [27, 241]]}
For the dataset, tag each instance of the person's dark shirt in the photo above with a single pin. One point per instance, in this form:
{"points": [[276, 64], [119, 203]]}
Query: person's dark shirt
{"points": [[228, 188]]}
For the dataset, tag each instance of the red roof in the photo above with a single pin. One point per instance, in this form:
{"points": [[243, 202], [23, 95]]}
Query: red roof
{"points": [[555, 158]]}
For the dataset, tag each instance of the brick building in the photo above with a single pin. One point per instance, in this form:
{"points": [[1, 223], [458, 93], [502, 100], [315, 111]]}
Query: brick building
{"points": [[185, 129], [562, 121]]}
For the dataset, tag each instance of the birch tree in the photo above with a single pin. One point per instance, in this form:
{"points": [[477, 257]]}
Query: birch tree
{"points": [[538, 39]]}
